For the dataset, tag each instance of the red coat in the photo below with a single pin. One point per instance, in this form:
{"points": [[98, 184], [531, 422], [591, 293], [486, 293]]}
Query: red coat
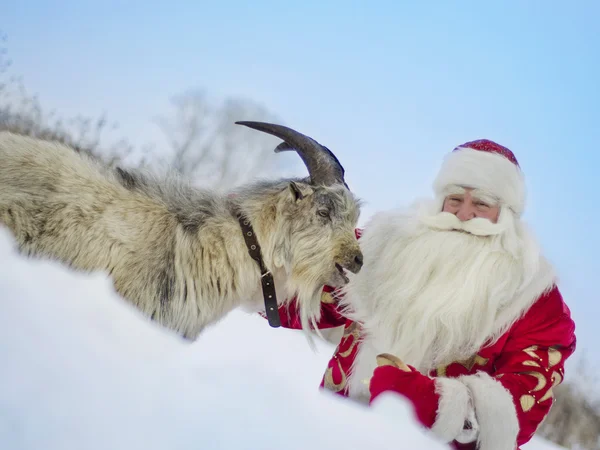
{"points": [[527, 362]]}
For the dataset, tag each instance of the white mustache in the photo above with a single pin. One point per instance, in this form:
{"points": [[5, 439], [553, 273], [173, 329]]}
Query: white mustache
{"points": [[478, 226]]}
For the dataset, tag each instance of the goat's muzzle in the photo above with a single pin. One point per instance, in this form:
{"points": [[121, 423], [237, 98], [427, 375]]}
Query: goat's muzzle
{"points": [[354, 262], [351, 261]]}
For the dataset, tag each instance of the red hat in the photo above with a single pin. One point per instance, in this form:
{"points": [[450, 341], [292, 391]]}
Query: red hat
{"points": [[487, 166]]}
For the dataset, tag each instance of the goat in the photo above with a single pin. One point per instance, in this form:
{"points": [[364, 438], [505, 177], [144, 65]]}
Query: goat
{"points": [[176, 252]]}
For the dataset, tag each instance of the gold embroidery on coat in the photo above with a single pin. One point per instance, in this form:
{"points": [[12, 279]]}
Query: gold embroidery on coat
{"points": [[556, 380], [326, 297], [531, 352], [466, 363], [554, 356], [541, 380], [527, 401], [351, 329], [330, 384], [441, 371], [472, 361], [354, 331]]}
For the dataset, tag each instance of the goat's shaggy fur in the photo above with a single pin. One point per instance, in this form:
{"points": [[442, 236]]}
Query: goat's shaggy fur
{"points": [[174, 251]]}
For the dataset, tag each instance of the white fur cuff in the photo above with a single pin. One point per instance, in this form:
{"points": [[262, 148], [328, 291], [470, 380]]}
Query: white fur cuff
{"points": [[454, 409], [495, 411]]}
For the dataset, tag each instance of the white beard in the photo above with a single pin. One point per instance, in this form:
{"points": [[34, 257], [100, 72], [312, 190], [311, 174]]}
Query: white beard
{"points": [[433, 289]]}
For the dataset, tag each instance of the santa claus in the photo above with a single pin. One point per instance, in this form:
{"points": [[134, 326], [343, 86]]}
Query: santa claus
{"points": [[455, 309]]}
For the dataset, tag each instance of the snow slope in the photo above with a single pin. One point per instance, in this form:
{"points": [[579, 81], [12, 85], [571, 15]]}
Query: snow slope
{"points": [[81, 369]]}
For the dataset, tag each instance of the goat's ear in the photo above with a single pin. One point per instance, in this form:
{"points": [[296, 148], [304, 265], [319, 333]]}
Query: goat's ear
{"points": [[296, 192], [299, 191]]}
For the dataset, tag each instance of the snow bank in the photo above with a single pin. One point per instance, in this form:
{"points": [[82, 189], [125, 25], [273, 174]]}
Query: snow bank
{"points": [[81, 369]]}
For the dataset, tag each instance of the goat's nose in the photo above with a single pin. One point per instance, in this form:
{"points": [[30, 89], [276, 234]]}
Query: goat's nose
{"points": [[354, 265]]}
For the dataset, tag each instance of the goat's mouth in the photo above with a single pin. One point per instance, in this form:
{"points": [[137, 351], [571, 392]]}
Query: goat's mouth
{"points": [[342, 273]]}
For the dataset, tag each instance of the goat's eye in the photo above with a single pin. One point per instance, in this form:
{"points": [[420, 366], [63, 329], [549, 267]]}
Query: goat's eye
{"points": [[323, 212]]}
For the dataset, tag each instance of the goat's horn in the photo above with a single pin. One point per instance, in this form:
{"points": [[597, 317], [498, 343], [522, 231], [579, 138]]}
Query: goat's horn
{"points": [[323, 166]]}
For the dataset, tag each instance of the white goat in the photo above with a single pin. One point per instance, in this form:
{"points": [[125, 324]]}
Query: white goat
{"points": [[176, 252]]}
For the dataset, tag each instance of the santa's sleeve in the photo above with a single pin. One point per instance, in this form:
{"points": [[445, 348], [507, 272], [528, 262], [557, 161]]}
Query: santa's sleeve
{"points": [[331, 317], [504, 409]]}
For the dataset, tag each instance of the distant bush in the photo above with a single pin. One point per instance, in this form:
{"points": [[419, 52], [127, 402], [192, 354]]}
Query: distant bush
{"points": [[21, 112], [574, 420]]}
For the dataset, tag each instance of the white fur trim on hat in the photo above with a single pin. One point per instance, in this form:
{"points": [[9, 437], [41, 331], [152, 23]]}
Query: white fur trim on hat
{"points": [[490, 172]]}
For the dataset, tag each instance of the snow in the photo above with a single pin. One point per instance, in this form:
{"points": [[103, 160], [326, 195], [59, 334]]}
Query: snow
{"points": [[82, 369]]}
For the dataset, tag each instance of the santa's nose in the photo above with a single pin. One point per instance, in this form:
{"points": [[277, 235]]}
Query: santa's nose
{"points": [[465, 213]]}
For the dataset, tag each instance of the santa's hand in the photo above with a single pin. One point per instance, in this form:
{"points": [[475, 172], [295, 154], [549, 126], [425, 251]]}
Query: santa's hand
{"points": [[393, 375]]}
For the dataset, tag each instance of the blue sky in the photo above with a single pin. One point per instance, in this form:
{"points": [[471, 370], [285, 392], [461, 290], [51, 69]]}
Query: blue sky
{"points": [[391, 87]]}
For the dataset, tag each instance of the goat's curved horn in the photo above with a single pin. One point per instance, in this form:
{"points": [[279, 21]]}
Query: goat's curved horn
{"points": [[323, 166]]}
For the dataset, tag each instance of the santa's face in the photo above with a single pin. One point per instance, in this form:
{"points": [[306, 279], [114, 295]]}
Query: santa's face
{"points": [[467, 204]]}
